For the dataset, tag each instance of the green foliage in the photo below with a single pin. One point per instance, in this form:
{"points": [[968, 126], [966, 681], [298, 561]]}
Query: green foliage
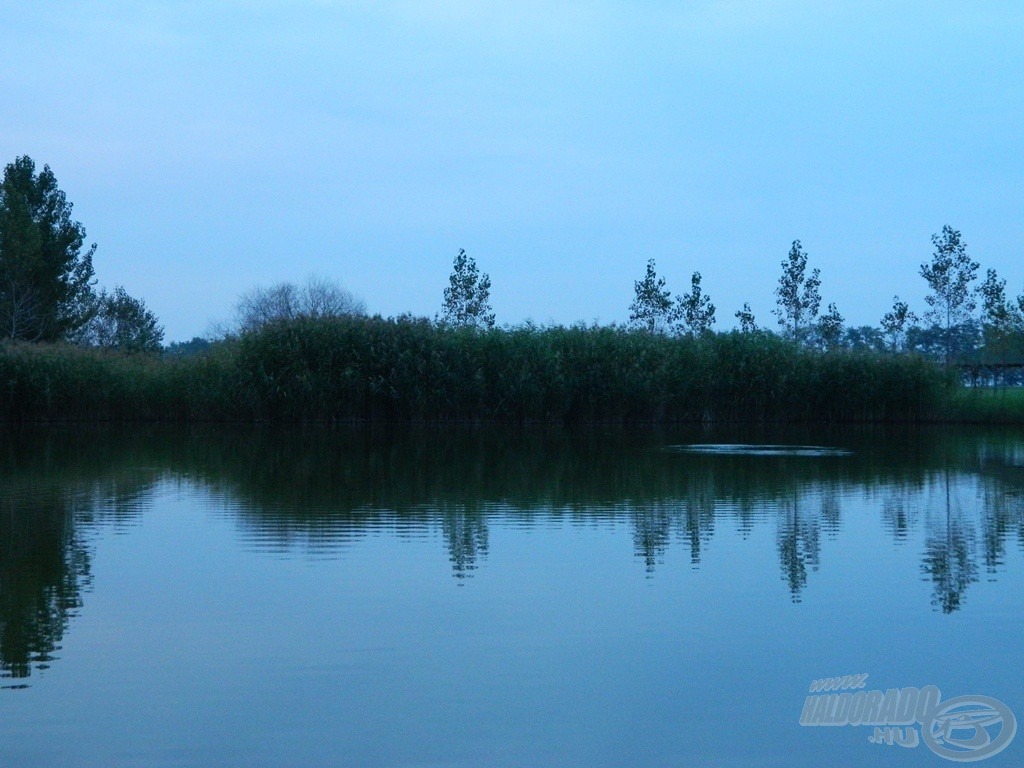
{"points": [[748, 324], [797, 294], [695, 314], [652, 308], [863, 338], [468, 295], [982, 405], [895, 324], [1002, 321], [409, 369], [45, 278], [830, 328], [957, 343], [949, 277], [64, 382], [195, 346], [122, 322]]}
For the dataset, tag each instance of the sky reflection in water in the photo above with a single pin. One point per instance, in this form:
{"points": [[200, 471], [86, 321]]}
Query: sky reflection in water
{"points": [[457, 597]]}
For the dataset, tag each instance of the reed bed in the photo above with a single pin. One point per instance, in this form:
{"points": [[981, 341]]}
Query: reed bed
{"points": [[981, 405], [409, 369]]}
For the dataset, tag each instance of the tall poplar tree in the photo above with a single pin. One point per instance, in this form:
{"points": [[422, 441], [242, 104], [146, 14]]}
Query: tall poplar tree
{"points": [[797, 294]]}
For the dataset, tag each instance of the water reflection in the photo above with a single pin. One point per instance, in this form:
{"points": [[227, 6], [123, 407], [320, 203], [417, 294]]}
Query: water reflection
{"points": [[799, 542], [44, 567], [465, 534], [52, 492], [949, 559], [960, 496]]}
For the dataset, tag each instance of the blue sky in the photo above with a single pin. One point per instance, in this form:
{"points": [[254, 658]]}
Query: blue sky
{"points": [[212, 146]]}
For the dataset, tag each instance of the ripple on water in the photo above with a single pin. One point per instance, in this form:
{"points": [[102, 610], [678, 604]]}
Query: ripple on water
{"points": [[745, 449]]}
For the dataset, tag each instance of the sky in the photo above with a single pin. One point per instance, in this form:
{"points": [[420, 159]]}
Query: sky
{"points": [[212, 146]]}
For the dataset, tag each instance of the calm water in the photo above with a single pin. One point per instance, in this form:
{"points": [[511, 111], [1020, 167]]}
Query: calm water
{"points": [[502, 598]]}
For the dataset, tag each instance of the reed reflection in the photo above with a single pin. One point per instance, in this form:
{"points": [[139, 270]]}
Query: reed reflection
{"points": [[961, 497], [336, 486]]}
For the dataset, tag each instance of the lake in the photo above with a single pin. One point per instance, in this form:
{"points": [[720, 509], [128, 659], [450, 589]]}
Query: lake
{"points": [[414, 596]]}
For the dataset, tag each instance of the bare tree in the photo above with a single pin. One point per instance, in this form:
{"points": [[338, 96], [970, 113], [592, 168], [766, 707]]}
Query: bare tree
{"points": [[316, 298], [19, 312]]}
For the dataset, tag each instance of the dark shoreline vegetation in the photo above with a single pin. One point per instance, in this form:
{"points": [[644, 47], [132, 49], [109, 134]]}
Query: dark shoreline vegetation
{"points": [[72, 352], [369, 369]]}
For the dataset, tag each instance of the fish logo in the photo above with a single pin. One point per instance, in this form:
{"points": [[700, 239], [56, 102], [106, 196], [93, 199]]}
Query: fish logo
{"points": [[969, 728]]}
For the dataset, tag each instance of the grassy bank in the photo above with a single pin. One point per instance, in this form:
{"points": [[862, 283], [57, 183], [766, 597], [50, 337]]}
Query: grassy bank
{"points": [[978, 405], [409, 369]]}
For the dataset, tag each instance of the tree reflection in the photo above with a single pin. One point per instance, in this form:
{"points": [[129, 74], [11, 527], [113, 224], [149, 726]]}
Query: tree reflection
{"points": [[44, 567], [700, 517], [465, 534], [324, 490], [896, 514], [799, 543], [53, 488], [1003, 504], [652, 529], [949, 557]]}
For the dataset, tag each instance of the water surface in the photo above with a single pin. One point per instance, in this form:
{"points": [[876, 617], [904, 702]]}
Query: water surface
{"points": [[467, 597]]}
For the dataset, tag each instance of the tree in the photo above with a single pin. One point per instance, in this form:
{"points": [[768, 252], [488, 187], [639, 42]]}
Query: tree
{"points": [[467, 299], [746, 318], [122, 322], [830, 328], [895, 324], [45, 277], [949, 277], [797, 294], [864, 338], [652, 303], [317, 298], [694, 313], [196, 346], [1001, 320], [959, 343]]}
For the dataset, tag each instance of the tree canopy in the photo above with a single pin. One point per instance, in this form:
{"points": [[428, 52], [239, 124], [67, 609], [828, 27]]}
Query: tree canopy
{"points": [[45, 276], [467, 299], [797, 294], [652, 307], [949, 275], [316, 298], [122, 322], [745, 315], [895, 324], [694, 314]]}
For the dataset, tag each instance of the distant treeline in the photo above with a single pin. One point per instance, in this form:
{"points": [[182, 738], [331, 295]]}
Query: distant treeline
{"points": [[407, 369]]}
